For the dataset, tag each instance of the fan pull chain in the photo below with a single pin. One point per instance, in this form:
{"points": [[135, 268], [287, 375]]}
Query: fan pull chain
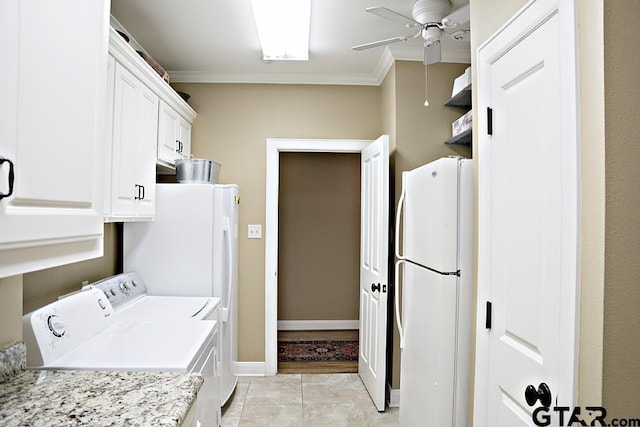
{"points": [[426, 98]]}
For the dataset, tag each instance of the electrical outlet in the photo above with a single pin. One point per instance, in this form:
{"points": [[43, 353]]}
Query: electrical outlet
{"points": [[255, 231]]}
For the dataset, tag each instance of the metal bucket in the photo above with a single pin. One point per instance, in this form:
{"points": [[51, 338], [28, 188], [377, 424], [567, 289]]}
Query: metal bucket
{"points": [[197, 171]]}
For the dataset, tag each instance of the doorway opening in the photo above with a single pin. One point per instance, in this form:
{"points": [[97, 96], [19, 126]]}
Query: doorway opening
{"points": [[318, 262], [274, 148]]}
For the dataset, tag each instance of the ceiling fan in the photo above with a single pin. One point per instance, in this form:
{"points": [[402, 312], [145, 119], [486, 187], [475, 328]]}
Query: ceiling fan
{"points": [[432, 17]]}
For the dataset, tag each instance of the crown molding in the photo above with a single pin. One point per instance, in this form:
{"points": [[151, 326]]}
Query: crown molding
{"points": [[373, 79], [126, 55], [389, 55], [273, 78]]}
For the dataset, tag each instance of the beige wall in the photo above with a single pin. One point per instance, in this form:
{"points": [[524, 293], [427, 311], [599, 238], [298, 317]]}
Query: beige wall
{"points": [[421, 131], [10, 310], [233, 123], [319, 236], [621, 359], [593, 202]]}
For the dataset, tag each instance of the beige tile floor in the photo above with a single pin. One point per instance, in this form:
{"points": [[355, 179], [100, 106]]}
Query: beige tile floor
{"points": [[304, 400]]}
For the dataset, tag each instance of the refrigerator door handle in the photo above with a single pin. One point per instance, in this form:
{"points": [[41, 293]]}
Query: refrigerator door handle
{"points": [[401, 260], [226, 308], [398, 218], [397, 301]]}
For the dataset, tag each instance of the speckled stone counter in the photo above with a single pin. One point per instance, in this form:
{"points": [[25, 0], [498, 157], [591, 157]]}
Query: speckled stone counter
{"points": [[65, 398]]}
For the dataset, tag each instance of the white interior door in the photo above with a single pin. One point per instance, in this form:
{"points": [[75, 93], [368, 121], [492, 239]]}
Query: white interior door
{"points": [[374, 247], [527, 218]]}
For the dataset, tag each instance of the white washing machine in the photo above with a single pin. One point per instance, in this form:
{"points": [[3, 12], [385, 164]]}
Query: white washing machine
{"points": [[82, 332]]}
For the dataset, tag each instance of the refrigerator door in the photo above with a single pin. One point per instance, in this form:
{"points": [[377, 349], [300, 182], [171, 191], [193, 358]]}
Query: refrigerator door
{"points": [[174, 253], [225, 282], [430, 230], [427, 376], [225, 243]]}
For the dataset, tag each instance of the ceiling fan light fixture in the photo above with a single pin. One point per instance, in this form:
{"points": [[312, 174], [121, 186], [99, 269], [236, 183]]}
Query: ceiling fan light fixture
{"points": [[283, 28], [425, 11], [431, 35]]}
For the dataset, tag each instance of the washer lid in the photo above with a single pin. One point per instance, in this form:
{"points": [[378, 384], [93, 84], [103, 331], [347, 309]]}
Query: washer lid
{"points": [[169, 346], [168, 307]]}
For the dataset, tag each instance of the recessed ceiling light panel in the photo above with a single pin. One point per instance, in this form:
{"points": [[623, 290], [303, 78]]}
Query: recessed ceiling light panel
{"points": [[283, 28]]}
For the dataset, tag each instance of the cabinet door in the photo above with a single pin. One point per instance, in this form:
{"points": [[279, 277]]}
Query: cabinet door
{"points": [[135, 119], [126, 152], [184, 136], [51, 131], [148, 143], [168, 143]]}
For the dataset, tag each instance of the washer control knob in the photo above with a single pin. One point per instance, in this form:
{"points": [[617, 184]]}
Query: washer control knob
{"points": [[124, 287], [56, 325], [134, 283], [113, 292], [101, 303]]}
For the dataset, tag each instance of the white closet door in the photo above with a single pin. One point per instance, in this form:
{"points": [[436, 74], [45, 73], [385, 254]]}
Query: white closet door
{"points": [[527, 217]]}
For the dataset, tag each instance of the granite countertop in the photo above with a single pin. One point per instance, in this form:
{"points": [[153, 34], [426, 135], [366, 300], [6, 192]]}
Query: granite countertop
{"points": [[65, 398]]}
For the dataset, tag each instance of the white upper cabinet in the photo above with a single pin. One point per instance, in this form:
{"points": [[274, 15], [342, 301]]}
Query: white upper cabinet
{"points": [[130, 193], [175, 116], [52, 110], [148, 127], [174, 138]]}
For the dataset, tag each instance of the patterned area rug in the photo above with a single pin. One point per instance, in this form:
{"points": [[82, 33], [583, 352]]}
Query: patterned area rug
{"points": [[293, 351]]}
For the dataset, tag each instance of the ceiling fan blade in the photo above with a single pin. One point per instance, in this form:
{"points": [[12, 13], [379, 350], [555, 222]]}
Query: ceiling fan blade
{"points": [[381, 43], [456, 18], [394, 16], [432, 53]]}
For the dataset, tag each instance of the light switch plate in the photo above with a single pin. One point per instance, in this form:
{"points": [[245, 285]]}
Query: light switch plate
{"points": [[255, 231]]}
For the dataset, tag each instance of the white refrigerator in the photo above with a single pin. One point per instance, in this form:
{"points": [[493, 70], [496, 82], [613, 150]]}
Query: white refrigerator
{"points": [[190, 249], [433, 275]]}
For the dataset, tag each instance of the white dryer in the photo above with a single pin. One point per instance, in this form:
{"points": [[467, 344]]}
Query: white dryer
{"points": [[82, 332], [128, 294], [129, 297]]}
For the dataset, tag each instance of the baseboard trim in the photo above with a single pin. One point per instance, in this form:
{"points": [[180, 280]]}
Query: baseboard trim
{"points": [[312, 325], [249, 369], [394, 397]]}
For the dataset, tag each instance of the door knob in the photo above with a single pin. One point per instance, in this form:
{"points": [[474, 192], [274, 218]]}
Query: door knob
{"points": [[375, 287], [543, 393]]}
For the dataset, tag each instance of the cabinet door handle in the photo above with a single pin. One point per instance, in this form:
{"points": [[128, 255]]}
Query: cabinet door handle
{"points": [[11, 177], [179, 146], [140, 191]]}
